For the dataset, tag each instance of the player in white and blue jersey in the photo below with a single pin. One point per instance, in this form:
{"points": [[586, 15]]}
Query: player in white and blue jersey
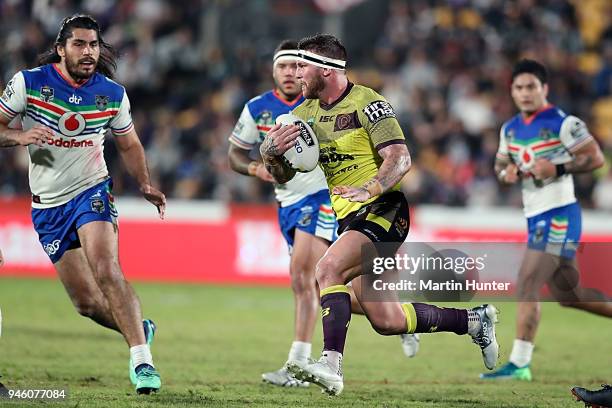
{"points": [[66, 106], [542, 146], [305, 215]]}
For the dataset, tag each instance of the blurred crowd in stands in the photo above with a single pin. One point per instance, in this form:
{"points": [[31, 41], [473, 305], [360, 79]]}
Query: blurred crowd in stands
{"points": [[444, 65]]}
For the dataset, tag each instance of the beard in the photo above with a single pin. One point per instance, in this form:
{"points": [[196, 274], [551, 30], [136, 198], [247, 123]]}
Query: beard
{"points": [[314, 88], [78, 72]]}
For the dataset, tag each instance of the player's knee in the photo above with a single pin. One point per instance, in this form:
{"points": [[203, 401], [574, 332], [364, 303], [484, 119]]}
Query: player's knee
{"points": [[328, 268], [527, 290], [85, 307], [527, 283], [568, 303], [302, 280], [386, 327], [107, 273]]}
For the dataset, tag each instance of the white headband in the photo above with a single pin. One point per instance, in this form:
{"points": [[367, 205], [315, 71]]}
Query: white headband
{"points": [[286, 56], [321, 61]]}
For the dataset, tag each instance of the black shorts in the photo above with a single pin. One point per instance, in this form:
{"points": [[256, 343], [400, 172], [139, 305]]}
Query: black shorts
{"points": [[386, 219]]}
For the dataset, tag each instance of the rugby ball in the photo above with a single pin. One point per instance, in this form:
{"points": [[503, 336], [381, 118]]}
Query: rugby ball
{"points": [[304, 156]]}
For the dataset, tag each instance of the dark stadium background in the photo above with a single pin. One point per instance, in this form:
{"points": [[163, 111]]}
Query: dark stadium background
{"points": [[190, 66]]}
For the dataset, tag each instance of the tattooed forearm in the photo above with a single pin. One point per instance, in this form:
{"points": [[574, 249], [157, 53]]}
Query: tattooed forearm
{"points": [[396, 163], [273, 160], [581, 163], [6, 139], [280, 170], [268, 148], [587, 158]]}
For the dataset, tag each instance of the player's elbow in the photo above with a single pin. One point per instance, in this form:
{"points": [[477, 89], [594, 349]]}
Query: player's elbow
{"points": [[400, 157], [598, 159], [404, 163], [234, 157], [408, 164], [384, 328], [232, 161]]}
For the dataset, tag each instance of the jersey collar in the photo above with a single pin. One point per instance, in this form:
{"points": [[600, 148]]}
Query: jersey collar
{"points": [[68, 80], [329, 106], [291, 104], [529, 119]]}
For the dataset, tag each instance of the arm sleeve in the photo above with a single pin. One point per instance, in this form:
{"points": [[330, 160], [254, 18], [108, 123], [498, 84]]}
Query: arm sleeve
{"points": [[14, 99], [245, 134], [379, 120], [574, 133], [121, 123], [502, 150]]}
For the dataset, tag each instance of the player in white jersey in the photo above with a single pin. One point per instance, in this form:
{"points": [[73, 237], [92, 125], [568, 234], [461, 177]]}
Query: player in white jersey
{"points": [[542, 147], [67, 104], [306, 218]]}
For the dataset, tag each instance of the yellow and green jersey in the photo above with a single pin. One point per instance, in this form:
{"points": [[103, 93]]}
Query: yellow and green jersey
{"points": [[350, 133]]}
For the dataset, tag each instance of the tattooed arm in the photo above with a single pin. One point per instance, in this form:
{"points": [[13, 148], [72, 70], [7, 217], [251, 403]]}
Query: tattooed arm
{"points": [[396, 163], [16, 137], [277, 142], [279, 169], [587, 158]]}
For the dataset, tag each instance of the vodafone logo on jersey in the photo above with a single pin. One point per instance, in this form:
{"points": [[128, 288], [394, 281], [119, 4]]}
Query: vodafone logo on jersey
{"points": [[69, 143], [71, 124]]}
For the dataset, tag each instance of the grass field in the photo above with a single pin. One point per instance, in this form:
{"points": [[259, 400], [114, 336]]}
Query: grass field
{"points": [[214, 342]]}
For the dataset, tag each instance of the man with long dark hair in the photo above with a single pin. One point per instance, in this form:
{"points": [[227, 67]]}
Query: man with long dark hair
{"points": [[66, 105]]}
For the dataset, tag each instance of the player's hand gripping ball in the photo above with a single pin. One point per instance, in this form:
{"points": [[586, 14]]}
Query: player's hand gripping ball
{"points": [[304, 156]]}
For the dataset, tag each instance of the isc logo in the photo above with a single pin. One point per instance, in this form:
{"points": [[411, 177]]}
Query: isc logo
{"points": [[298, 148], [75, 99]]}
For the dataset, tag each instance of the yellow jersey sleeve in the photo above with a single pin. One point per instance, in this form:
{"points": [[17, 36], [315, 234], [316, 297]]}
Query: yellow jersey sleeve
{"points": [[378, 119]]}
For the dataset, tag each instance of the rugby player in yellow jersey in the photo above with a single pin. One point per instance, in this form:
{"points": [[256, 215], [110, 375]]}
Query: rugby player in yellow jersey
{"points": [[304, 208], [364, 157]]}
